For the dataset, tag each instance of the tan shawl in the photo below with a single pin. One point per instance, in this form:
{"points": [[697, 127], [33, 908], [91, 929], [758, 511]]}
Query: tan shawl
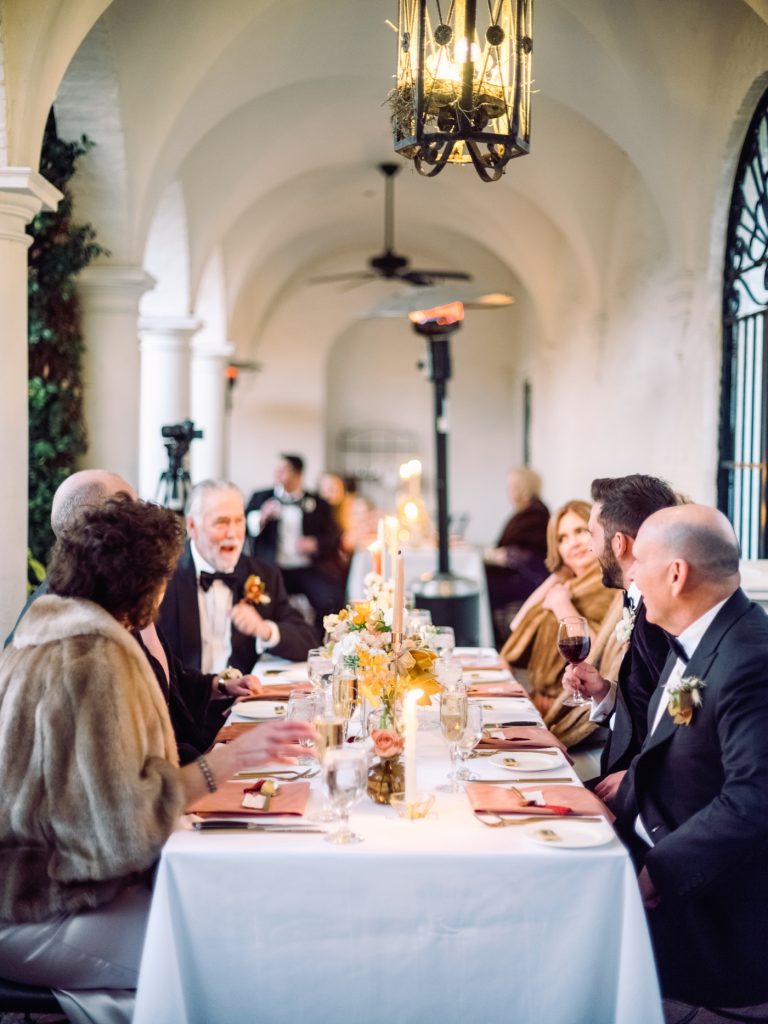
{"points": [[533, 643]]}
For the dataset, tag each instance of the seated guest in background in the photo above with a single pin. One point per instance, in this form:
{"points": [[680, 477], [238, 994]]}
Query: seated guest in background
{"points": [[187, 692], [90, 786], [223, 608], [621, 506], [573, 588], [695, 799], [515, 566], [297, 531]]}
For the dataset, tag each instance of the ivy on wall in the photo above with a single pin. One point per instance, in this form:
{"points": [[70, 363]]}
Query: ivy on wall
{"points": [[60, 249]]}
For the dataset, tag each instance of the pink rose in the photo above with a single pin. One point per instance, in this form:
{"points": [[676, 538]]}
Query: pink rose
{"points": [[386, 743]]}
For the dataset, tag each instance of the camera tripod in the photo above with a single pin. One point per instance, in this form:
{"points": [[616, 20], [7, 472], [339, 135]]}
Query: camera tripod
{"points": [[174, 484]]}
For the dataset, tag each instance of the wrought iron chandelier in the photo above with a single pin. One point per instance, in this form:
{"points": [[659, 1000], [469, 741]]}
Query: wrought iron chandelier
{"points": [[463, 91]]}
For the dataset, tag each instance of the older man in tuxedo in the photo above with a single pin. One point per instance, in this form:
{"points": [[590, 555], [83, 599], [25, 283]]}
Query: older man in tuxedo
{"points": [[296, 530], [222, 608], [620, 507], [695, 799]]}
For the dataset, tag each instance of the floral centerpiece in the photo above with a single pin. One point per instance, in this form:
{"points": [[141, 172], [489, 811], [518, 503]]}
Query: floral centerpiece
{"points": [[362, 633]]}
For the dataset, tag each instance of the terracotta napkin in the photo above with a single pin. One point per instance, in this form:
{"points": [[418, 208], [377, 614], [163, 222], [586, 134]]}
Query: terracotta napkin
{"points": [[292, 799], [279, 691], [520, 737], [559, 800], [504, 689], [231, 732]]}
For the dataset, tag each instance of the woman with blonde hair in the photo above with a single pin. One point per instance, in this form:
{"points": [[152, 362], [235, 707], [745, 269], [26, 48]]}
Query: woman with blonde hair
{"points": [[574, 587]]}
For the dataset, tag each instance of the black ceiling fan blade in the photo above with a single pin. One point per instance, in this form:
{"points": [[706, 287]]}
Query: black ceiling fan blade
{"points": [[426, 277], [352, 275]]}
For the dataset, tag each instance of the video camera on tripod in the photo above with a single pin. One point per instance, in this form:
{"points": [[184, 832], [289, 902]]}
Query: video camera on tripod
{"points": [[174, 485]]}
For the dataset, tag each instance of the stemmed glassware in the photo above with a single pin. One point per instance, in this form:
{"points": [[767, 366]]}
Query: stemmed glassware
{"points": [[442, 641], [453, 722], [302, 707], [574, 642], [470, 737], [345, 776], [320, 670]]}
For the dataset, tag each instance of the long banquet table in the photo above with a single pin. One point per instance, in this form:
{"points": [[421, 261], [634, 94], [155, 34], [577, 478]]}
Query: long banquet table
{"points": [[442, 919]]}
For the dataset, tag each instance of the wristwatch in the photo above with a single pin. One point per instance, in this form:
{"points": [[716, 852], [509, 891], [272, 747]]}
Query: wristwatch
{"points": [[221, 679]]}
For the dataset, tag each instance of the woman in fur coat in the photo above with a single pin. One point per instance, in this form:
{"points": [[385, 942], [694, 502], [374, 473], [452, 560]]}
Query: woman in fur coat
{"points": [[90, 786]]}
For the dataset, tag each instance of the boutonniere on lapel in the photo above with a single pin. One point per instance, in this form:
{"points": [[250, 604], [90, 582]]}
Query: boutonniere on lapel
{"points": [[625, 625], [308, 503], [685, 698], [255, 592]]}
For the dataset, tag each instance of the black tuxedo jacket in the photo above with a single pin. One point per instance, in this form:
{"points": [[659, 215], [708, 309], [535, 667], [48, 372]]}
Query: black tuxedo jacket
{"points": [[180, 616], [702, 791], [317, 521], [639, 674]]}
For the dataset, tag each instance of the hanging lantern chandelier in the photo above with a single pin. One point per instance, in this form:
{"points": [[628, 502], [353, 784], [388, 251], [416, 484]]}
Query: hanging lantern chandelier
{"points": [[463, 91]]}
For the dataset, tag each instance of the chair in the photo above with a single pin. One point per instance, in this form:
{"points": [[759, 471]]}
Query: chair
{"points": [[26, 999]]}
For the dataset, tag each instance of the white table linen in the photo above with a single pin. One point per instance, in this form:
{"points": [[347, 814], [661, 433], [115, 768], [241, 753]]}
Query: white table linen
{"points": [[436, 920]]}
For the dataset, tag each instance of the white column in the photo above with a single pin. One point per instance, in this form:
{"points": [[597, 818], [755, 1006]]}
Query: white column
{"points": [[165, 369], [208, 391], [110, 307], [22, 193]]}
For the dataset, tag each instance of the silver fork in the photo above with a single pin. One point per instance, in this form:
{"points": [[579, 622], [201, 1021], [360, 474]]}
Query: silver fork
{"points": [[284, 775], [500, 822]]}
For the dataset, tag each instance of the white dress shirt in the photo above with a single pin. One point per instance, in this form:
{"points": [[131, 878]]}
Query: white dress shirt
{"points": [[602, 710], [290, 527], [689, 640], [215, 606]]}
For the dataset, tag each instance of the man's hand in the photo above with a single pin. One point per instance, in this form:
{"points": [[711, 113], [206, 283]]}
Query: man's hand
{"points": [[495, 556], [584, 679], [306, 545], [245, 618], [648, 892], [271, 509], [608, 787]]}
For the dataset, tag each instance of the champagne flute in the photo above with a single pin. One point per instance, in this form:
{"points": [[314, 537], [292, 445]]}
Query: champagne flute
{"points": [[453, 721], [573, 641], [331, 731], [345, 776], [470, 737]]}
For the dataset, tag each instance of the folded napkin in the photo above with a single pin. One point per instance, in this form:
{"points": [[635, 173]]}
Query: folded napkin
{"points": [[502, 689], [519, 737], [228, 800], [470, 663], [558, 800], [279, 691], [232, 731]]}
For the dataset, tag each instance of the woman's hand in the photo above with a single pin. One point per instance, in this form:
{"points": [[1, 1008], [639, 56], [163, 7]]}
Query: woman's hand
{"points": [[558, 601]]}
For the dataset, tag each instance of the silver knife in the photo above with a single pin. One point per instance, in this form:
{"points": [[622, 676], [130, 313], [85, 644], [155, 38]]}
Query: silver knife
{"points": [[252, 826], [511, 781]]}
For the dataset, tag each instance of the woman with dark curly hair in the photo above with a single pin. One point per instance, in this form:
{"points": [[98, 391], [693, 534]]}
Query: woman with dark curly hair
{"points": [[90, 786]]}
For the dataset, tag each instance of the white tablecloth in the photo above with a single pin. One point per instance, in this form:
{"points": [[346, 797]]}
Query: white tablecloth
{"points": [[436, 920], [465, 560]]}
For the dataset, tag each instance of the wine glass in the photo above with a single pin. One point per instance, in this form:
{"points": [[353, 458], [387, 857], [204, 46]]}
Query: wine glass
{"points": [[418, 619], [320, 669], [453, 721], [470, 737], [302, 707], [574, 642], [449, 672], [345, 776], [442, 641]]}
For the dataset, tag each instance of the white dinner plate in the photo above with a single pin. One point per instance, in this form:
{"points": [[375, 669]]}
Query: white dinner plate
{"points": [[507, 709], [261, 709], [295, 674], [571, 835], [487, 675], [527, 760]]}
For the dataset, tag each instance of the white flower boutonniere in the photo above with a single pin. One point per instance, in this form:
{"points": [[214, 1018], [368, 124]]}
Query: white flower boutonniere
{"points": [[308, 503], [685, 698], [625, 625]]}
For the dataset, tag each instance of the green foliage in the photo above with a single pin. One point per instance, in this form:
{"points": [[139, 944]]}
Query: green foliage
{"points": [[60, 249]]}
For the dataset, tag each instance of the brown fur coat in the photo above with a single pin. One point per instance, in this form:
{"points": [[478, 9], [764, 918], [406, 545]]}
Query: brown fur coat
{"points": [[89, 778]]}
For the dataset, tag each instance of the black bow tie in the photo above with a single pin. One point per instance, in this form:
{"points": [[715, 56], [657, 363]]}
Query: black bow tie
{"points": [[677, 649], [228, 578]]}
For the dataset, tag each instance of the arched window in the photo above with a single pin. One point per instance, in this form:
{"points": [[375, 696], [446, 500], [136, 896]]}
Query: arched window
{"points": [[743, 468]]}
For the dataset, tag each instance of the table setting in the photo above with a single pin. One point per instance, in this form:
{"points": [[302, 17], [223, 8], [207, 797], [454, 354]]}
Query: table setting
{"points": [[426, 850]]}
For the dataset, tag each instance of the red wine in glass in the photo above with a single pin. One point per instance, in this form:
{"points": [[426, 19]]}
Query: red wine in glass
{"points": [[574, 642]]}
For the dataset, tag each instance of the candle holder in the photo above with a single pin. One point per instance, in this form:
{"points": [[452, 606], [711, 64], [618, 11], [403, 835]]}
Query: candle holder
{"points": [[414, 809]]}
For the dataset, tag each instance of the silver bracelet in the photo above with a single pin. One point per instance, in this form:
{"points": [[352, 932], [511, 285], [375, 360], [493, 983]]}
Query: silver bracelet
{"points": [[205, 768]]}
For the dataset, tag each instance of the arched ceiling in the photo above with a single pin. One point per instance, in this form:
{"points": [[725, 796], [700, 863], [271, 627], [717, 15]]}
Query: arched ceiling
{"points": [[272, 115]]}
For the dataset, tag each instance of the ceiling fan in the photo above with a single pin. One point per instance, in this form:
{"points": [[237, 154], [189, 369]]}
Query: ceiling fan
{"points": [[389, 265]]}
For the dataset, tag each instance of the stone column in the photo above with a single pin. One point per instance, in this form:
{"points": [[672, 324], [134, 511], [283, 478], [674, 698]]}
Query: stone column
{"points": [[110, 309], [165, 369], [208, 400], [22, 194]]}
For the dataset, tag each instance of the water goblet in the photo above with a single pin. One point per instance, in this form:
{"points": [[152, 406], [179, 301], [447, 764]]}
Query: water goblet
{"points": [[418, 620], [574, 642], [470, 737], [302, 707], [449, 673], [320, 669], [453, 722], [345, 777], [442, 641]]}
